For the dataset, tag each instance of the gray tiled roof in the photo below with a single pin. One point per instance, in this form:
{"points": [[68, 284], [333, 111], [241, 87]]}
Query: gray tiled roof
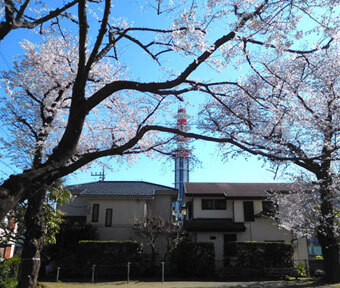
{"points": [[117, 188], [235, 190]]}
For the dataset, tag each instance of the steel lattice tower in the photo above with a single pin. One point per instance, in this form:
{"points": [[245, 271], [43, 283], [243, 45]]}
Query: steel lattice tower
{"points": [[181, 155]]}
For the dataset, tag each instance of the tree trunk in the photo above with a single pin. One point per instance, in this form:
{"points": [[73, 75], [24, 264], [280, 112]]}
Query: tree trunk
{"points": [[326, 233], [330, 252], [34, 223]]}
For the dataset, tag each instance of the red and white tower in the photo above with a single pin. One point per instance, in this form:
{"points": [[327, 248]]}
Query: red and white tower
{"points": [[181, 155]]}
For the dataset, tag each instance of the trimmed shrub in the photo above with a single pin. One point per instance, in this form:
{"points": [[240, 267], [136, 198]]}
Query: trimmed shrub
{"points": [[64, 252], [9, 272], [193, 259], [108, 256], [108, 252], [259, 259]]}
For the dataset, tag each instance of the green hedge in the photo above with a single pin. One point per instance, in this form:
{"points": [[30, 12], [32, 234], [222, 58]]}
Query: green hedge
{"points": [[260, 259], [109, 252], [110, 257], [193, 259], [8, 272]]}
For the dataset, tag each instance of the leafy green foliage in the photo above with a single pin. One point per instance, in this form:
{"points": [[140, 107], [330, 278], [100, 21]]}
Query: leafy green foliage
{"points": [[109, 252], [8, 272], [300, 270], [56, 195], [193, 259], [259, 259], [64, 252]]}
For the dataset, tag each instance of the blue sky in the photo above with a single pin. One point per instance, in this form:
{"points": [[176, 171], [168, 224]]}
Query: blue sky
{"points": [[211, 169]]}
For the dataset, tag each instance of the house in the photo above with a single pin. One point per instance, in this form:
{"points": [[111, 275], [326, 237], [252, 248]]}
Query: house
{"points": [[223, 212], [8, 229], [114, 206]]}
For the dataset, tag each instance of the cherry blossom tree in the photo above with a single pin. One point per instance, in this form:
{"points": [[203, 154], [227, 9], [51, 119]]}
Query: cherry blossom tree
{"points": [[287, 111], [79, 102], [298, 209], [23, 14], [152, 228], [38, 96]]}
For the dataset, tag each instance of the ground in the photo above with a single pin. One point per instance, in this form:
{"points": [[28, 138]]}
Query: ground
{"points": [[305, 283]]}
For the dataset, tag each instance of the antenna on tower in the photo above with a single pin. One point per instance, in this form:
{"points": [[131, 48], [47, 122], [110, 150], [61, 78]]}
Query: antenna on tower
{"points": [[101, 175]]}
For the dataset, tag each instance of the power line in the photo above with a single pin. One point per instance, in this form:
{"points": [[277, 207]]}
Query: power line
{"points": [[3, 57]]}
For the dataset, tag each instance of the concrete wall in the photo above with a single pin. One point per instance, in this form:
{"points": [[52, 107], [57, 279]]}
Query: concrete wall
{"points": [[300, 248], [218, 242]]}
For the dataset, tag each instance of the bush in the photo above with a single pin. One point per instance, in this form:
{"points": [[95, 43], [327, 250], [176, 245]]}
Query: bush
{"points": [[9, 272], [108, 253], [259, 259], [193, 259], [300, 270], [64, 252]]}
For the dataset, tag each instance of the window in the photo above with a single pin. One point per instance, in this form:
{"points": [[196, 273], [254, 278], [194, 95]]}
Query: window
{"points": [[95, 212], [207, 204], [212, 237], [268, 208], [108, 217], [214, 204], [248, 209], [220, 204]]}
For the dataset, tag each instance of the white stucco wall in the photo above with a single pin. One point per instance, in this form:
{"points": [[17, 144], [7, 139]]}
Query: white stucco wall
{"points": [[124, 211], [238, 211], [199, 213], [264, 229]]}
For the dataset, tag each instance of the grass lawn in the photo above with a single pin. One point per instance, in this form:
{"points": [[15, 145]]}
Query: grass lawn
{"points": [[304, 283]]}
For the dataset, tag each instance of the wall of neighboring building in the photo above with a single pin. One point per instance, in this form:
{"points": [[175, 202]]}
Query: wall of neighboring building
{"points": [[160, 206], [124, 213], [77, 206], [8, 247]]}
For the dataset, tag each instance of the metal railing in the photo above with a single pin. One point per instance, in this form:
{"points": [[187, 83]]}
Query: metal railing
{"points": [[95, 273]]}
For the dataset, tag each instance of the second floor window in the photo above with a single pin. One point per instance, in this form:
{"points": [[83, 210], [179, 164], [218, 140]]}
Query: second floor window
{"points": [[95, 212], [248, 208], [108, 217], [214, 204]]}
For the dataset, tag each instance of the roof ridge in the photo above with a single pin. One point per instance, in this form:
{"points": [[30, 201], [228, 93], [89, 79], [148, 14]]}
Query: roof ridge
{"points": [[122, 181], [252, 183]]}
